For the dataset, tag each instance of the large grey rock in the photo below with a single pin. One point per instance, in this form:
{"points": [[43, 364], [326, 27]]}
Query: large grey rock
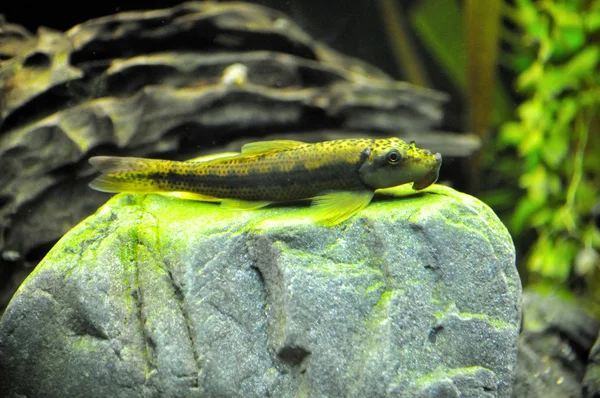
{"points": [[416, 296]]}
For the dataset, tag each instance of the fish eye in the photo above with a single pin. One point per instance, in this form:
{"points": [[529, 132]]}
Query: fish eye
{"points": [[393, 156]]}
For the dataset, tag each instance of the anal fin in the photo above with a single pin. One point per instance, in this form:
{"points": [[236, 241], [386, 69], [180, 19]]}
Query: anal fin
{"points": [[335, 207], [239, 204], [191, 196]]}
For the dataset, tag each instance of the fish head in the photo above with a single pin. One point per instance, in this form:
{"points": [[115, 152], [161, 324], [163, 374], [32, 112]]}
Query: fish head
{"points": [[391, 162]]}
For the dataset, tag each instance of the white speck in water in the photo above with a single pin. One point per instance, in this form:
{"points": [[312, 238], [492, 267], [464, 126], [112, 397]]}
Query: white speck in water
{"points": [[11, 255]]}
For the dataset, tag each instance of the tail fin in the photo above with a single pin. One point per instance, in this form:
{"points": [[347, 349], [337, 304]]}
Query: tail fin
{"points": [[120, 174]]}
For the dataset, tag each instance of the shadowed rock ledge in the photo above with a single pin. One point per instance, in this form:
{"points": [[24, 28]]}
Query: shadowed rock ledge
{"points": [[416, 296]]}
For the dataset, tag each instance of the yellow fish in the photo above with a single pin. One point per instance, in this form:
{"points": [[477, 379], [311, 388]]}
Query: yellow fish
{"points": [[339, 176]]}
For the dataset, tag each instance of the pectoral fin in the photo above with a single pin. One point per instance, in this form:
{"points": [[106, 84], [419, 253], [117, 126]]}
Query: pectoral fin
{"points": [[335, 207], [239, 204]]}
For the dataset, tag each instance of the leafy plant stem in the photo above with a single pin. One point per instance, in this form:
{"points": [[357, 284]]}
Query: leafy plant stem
{"points": [[583, 128]]}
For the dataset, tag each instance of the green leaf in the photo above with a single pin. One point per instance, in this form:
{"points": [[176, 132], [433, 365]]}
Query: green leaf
{"points": [[555, 186], [518, 62], [568, 27], [571, 39], [532, 160], [537, 257], [563, 256], [591, 21], [563, 15], [554, 152], [532, 142], [512, 133], [527, 13], [523, 213], [552, 259], [531, 112], [566, 112], [553, 82], [542, 217], [583, 64], [563, 219], [591, 236], [586, 197], [589, 97], [555, 148], [536, 184], [530, 77]]}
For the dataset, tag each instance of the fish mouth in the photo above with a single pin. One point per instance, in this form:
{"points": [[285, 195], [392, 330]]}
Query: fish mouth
{"points": [[430, 177]]}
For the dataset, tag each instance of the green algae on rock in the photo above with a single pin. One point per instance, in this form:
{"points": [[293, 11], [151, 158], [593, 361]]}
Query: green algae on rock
{"points": [[153, 296]]}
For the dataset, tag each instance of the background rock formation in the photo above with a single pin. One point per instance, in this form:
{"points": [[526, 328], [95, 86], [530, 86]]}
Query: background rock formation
{"points": [[553, 348]]}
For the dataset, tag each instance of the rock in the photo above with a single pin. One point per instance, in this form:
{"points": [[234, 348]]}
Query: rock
{"points": [[591, 380], [416, 296], [553, 347]]}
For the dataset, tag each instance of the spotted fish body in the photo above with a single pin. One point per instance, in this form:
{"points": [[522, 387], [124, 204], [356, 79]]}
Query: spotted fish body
{"points": [[273, 171]]}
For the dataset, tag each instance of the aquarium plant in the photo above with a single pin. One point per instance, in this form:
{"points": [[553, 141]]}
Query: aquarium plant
{"points": [[556, 136]]}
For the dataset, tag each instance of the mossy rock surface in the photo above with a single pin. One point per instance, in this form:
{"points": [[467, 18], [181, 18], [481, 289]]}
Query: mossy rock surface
{"points": [[416, 296]]}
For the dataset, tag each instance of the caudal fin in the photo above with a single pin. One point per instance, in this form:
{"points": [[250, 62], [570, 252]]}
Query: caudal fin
{"points": [[122, 174]]}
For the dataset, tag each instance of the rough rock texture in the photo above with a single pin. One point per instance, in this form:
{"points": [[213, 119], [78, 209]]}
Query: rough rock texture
{"points": [[553, 347], [591, 380], [152, 84], [416, 296]]}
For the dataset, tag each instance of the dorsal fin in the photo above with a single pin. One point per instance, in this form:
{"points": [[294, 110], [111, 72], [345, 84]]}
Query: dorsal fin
{"points": [[214, 156], [265, 146]]}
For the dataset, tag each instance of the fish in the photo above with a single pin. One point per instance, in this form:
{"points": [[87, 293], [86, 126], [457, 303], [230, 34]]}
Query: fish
{"points": [[340, 177]]}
